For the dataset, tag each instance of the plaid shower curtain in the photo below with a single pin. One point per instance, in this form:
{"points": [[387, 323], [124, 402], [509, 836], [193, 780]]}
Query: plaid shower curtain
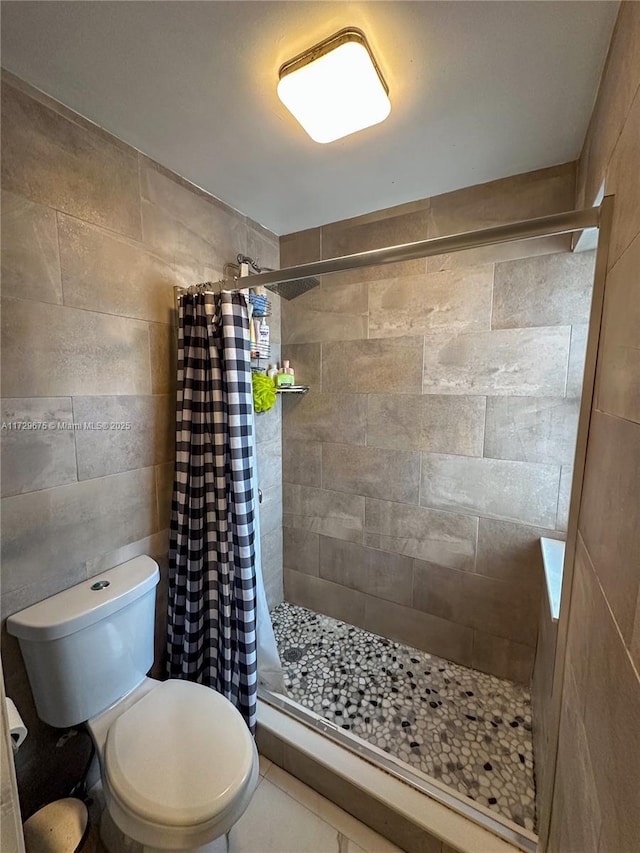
{"points": [[212, 580]]}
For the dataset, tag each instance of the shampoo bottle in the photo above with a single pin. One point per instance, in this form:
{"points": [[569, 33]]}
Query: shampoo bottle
{"points": [[263, 339]]}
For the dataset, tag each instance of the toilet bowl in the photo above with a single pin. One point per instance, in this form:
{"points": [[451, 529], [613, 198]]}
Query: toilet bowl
{"points": [[177, 762], [178, 765]]}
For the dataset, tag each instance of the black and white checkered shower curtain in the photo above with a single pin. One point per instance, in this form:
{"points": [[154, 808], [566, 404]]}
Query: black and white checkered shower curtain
{"points": [[212, 580]]}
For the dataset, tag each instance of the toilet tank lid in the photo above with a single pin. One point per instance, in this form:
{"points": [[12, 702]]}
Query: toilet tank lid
{"points": [[86, 603]]}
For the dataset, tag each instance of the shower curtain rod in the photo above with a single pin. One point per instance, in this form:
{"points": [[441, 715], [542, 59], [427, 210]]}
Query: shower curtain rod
{"points": [[544, 226]]}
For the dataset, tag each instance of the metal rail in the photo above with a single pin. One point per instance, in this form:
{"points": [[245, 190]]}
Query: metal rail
{"points": [[544, 226]]}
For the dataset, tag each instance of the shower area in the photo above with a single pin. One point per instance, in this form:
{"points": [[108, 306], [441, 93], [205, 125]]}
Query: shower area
{"points": [[433, 450]]}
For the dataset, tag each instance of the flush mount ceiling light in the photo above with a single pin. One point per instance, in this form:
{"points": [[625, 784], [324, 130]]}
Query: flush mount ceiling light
{"points": [[335, 87]]}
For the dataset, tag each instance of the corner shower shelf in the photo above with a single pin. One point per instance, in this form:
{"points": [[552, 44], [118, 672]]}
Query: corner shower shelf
{"points": [[292, 389]]}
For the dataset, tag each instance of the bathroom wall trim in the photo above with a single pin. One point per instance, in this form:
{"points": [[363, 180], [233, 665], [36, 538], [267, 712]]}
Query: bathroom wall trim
{"points": [[542, 226]]}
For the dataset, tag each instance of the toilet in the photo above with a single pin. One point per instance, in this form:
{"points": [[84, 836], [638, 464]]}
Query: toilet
{"points": [[177, 761]]}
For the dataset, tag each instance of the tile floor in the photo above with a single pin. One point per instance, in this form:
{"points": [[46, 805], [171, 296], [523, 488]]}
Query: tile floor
{"points": [[285, 816], [465, 728]]}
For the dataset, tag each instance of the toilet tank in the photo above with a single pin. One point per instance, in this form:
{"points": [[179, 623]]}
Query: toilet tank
{"points": [[88, 646]]}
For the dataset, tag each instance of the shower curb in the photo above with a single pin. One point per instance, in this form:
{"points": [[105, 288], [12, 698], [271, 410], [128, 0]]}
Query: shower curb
{"points": [[407, 817]]}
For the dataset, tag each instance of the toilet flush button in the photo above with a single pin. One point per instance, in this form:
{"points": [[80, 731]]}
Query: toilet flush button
{"points": [[100, 585]]}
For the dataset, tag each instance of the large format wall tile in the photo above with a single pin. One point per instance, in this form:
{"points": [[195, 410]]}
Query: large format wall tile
{"points": [[502, 657], [269, 424], [321, 595], [497, 252], [269, 464], [302, 247], [274, 590], [419, 630], [301, 551], [441, 424], [327, 417], [584, 592], [370, 471], [618, 382], [37, 458], [263, 246], [164, 477], [369, 274], [30, 259], [331, 513], [532, 429], [302, 462], [275, 323], [611, 724], [577, 353], [438, 537], [64, 177], [148, 441], [511, 552], [634, 646], [513, 491], [102, 272], [197, 211], [194, 258], [618, 87], [306, 362], [526, 362], [519, 197], [18, 599], [56, 162], [578, 822], [404, 223], [421, 304], [388, 576], [523, 196], [155, 546], [329, 312], [624, 162], [56, 530], [270, 509], [548, 290], [51, 350], [594, 804], [271, 550], [609, 512], [374, 366], [564, 497], [163, 351], [496, 607]]}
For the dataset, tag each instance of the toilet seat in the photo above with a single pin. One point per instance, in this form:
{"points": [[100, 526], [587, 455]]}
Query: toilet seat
{"points": [[179, 765]]}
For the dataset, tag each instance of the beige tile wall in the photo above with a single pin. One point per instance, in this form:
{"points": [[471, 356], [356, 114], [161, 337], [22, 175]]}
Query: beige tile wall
{"points": [[434, 447], [596, 802], [95, 236]]}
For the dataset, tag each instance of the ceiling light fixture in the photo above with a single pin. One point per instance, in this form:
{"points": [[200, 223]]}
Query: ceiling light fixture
{"points": [[335, 87]]}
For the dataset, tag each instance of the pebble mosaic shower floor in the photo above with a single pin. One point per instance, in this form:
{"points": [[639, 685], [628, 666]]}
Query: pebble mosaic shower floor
{"points": [[467, 729]]}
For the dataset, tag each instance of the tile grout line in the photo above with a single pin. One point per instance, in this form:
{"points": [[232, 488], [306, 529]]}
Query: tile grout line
{"points": [[59, 251], [86, 310], [75, 443]]}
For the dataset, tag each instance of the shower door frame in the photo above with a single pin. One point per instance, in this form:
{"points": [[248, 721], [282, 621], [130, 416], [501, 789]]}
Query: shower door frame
{"points": [[561, 223]]}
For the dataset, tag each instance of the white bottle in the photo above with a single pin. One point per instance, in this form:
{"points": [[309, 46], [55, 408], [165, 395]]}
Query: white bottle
{"points": [[264, 335]]}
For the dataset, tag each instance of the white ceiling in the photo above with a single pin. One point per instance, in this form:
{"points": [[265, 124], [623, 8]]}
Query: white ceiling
{"points": [[479, 91]]}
